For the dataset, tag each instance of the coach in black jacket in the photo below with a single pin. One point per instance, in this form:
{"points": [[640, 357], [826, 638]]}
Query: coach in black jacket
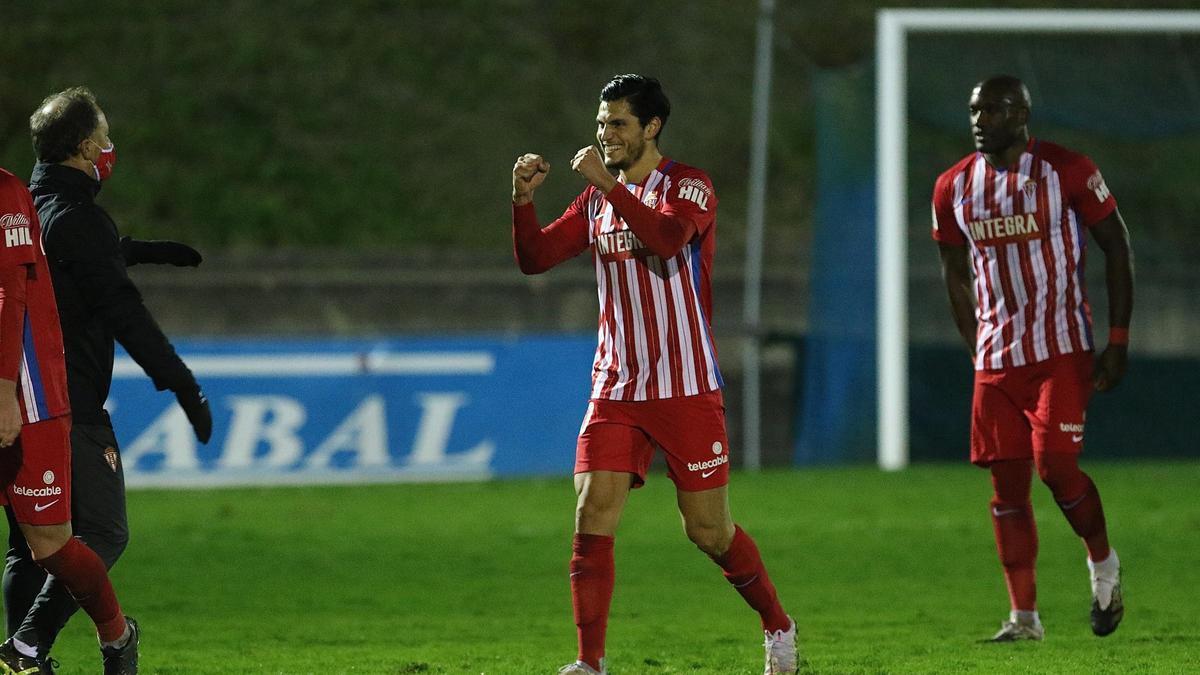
{"points": [[97, 303]]}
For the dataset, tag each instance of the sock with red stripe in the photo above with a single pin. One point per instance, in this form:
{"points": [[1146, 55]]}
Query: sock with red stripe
{"points": [[1016, 531], [744, 569], [592, 577], [86, 577], [1078, 499]]}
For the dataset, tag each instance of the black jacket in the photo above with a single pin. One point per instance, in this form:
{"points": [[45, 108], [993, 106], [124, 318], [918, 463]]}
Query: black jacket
{"points": [[97, 301]]}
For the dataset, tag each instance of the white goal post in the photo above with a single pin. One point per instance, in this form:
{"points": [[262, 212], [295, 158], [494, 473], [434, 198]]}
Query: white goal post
{"points": [[892, 27]]}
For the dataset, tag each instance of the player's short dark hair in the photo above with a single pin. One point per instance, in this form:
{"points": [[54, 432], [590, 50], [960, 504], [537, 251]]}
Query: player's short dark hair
{"points": [[1012, 85], [61, 122], [645, 96]]}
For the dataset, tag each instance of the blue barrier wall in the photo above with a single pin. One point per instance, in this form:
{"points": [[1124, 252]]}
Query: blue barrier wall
{"points": [[836, 411], [322, 411]]}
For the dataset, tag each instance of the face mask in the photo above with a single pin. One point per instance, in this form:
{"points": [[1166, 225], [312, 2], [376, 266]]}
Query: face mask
{"points": [[103, 165]]}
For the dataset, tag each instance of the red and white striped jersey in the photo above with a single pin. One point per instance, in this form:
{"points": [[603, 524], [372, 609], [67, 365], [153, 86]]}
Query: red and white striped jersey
{"points": [[1026, 229], [31, 343], [654, 339]]}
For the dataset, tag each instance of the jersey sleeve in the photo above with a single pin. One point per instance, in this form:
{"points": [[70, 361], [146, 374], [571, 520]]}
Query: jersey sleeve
{"points": [[689, 209], [945, 225], [538, 248], [692, 198], [17, 216], [1086, 190]]}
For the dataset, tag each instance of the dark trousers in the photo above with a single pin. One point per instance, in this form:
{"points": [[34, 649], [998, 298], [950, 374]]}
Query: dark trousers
{"points": [[37, 605]]}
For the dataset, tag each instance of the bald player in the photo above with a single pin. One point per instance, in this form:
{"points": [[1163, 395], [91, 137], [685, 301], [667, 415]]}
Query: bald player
{"points": [[1011, 221]]}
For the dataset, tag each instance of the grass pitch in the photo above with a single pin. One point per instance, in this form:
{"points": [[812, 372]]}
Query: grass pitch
{"points": [[884, 574]]}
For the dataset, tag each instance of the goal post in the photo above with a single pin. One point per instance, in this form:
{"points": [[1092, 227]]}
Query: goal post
{"points": [[893, 26]]}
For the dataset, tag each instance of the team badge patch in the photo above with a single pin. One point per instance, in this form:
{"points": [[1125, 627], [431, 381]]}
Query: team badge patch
{"points": [[110, 456], [1030, 189], [696, 191], [1096, 184]]}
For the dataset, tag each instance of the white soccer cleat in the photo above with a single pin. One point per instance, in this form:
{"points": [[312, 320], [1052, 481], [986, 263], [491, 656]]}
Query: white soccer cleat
{"points": [[1108, 607], [1016, 631], [581, 668], [781, 653]]}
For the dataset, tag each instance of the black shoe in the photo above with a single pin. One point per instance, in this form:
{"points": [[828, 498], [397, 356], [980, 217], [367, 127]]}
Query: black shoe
{"points": [[1105, 621], [123, 660], [13, 662]]}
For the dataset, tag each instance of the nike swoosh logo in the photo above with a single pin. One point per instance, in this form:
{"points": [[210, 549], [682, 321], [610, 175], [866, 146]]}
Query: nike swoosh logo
{"points": [[1003, 512], [42, 507], [706, 474], [1077, 439]]}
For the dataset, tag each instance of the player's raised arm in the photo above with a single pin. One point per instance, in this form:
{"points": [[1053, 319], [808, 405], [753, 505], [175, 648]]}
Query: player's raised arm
{"points": [[536, 249], [666, 232], [529, 172], [1113, 238]]}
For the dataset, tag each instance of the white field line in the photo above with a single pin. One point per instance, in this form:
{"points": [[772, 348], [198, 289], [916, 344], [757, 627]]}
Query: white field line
{"points": [[324, 364]]}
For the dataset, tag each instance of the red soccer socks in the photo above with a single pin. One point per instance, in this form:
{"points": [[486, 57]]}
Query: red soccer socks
{"points": [[744, 569], [1079, 500], [592, 578], [84, 574], [1016, 531]]}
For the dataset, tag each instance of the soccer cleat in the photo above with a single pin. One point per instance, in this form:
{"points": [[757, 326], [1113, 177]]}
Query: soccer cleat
{"points": [[1015, 631], [581, 668], [13, 662], [1108, 607], [781, 650], [123, 660]]}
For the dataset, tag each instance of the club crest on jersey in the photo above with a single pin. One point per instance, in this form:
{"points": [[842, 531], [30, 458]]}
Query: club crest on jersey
{"points": [[696, 191], [110, 456], [16, 229], [651, 199], [1030, 189], [1004, 229]]}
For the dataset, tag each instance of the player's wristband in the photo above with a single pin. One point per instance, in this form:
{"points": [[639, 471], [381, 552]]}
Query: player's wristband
{"points": [[1118, 336]]}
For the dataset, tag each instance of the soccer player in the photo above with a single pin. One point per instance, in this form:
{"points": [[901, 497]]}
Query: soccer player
{"points": [[1011, 222], [655, 380], [35, 446]]}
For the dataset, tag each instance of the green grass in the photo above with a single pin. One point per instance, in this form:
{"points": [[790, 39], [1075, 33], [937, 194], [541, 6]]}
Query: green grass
{"points": [[885, 574]]}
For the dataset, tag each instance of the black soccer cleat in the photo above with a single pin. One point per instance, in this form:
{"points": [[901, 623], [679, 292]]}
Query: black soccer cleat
{"points": [[123, 660], [1105, 621], [13, 662]]}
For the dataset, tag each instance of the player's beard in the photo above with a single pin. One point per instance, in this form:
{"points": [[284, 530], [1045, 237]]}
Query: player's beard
{"points": [[992, 145], [632, 155]]}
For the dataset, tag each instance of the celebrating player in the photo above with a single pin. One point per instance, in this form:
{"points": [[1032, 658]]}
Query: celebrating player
{"points": [[1011, 222], [35, 446], [655, 380]]}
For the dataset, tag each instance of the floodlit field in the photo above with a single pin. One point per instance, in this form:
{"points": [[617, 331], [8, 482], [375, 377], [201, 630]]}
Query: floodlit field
{"points": [[884, 573]]}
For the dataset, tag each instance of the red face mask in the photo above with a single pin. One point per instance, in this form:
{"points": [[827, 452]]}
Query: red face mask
{"points": [[104, 163]]}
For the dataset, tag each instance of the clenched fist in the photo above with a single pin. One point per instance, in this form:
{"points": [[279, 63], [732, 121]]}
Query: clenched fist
{"points": [[528, 174], [589, 163]]}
